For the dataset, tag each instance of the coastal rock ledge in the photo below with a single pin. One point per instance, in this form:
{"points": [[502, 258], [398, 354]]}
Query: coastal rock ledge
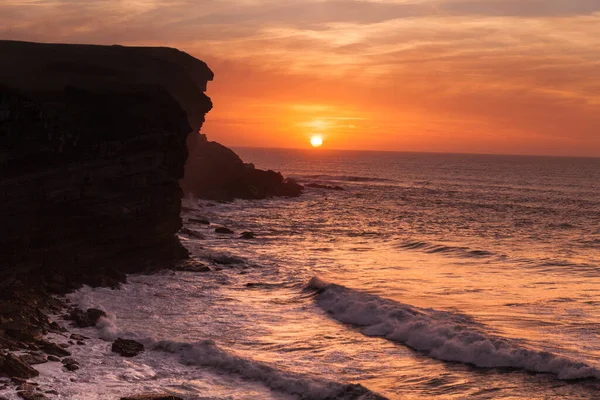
{"points": [[92, 146]]}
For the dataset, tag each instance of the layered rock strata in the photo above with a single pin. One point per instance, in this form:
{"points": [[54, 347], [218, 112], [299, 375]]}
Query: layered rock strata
{"points": [[92, 146]]}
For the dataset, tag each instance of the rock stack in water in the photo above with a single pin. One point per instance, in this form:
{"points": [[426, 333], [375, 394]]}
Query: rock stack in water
{"points": [[215, 172]]}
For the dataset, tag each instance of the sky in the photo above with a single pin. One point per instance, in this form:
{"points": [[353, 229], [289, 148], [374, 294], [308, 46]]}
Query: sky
{"points": [[466, 76]]}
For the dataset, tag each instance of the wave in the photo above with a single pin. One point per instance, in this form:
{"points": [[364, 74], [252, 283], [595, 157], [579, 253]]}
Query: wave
{"points": [[441, 335], [436, 248], [346, 178], [206, 353]]}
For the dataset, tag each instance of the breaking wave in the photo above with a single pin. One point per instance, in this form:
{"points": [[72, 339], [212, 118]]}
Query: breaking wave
{"points": [[207, 354], [441, 335]]}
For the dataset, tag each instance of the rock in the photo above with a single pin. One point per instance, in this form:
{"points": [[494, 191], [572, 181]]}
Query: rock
{"points": [[53, 349], [225, 259], [72, 367], [215, 172], [53, 359], [192, 266], [29, 395], [87, 318], [80, 343], [54, 392], [151, 396], [127, 348], [27, 386], [78, 337], [13, 366], [199, 221], [223, 230], [34, 359], [69, 360], [92, 147], [192, 233], [247, 235]]}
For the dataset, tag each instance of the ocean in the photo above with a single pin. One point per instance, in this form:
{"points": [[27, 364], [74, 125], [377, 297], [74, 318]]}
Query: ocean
{"points": [[429, 276]]}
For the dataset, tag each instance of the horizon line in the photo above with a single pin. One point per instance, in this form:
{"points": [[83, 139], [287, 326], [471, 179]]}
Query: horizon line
{"points": [[416, 152]]}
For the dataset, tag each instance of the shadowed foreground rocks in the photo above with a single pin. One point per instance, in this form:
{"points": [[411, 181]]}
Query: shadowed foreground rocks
{"points": [[92, 148], [215, 172]]}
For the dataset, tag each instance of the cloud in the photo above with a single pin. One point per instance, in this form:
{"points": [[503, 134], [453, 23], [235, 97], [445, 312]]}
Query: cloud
{"points": [[517, 68]]}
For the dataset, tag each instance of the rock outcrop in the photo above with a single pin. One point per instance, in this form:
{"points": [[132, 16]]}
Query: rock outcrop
{"points": [[215, 172], [92, 146]]}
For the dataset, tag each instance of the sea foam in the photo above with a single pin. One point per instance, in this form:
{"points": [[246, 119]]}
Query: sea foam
{"points": [[441, 335]]}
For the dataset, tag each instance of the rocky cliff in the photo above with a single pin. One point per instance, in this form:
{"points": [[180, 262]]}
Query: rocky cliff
{"points": [[215, 172], [92, 146]]}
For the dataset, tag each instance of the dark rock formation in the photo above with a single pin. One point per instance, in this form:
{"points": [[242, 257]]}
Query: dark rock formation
{"points": [[127, 348], [53, 349], [92, 145], [215, 172], [192, 265], [87, 318], [13, 366], [247, 235], [70, 364], [223, 230]]}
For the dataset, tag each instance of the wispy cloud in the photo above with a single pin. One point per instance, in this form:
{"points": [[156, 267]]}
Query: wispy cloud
{"points": [[412, 72]]}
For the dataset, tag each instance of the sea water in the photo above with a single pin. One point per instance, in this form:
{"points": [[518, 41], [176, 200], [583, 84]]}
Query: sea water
{"points": [[428, 276]]}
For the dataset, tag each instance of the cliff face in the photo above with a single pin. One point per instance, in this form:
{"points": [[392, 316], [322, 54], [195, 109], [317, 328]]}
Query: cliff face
{"points": [[215, 172], [92, 145]]}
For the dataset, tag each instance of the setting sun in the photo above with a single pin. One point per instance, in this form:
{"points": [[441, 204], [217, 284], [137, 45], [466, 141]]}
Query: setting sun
{"points": [[316, 141]]}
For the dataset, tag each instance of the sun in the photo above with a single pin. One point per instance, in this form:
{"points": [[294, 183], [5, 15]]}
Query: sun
{"points": [[316, 141]]}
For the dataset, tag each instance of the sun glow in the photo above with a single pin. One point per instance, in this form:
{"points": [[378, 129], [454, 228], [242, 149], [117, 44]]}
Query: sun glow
{"points": [[316, 141]]}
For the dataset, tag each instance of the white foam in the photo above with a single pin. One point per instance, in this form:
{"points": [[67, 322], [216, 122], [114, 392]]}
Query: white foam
{"points": [[441, 335], [207, 353]]}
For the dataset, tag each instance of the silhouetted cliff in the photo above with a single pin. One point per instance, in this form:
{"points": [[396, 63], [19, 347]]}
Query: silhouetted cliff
{"points": [[215, 172], [92, 145]]}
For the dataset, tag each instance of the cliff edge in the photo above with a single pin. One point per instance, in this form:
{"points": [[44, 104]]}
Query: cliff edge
{"points": [[92, 146]]}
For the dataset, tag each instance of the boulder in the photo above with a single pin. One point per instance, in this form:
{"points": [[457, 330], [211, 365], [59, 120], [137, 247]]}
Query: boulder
{"points": [[53, 349], [127, 348], [13, 366], [31, 395], [247, 235], [34, 358], [87, 318], [224, 230], [192, 233]]}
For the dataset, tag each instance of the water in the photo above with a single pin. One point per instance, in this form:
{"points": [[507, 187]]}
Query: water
{"points": [[428, 276]]}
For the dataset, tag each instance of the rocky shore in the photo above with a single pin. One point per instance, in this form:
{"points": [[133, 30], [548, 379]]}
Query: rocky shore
{"points": [[93, 148]]}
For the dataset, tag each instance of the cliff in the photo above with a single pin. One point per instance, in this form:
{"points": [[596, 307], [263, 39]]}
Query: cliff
{"points": [[92, 146], [215, 172]]}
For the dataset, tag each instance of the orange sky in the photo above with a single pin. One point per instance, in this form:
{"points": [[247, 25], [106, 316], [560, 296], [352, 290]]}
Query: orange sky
{"points": [[485, 76]]}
